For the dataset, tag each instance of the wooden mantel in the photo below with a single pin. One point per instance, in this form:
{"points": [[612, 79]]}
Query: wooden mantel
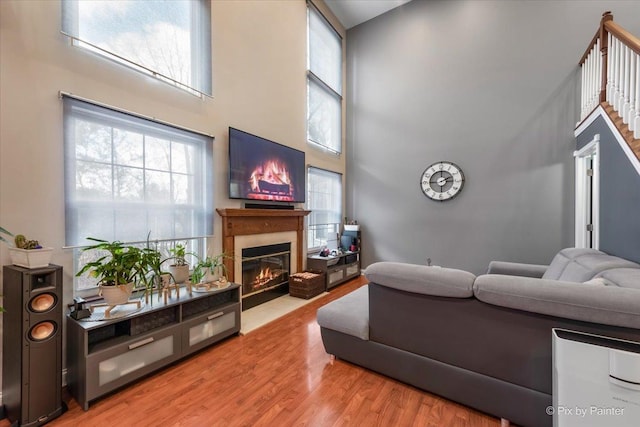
{"points": [[243, 222]]}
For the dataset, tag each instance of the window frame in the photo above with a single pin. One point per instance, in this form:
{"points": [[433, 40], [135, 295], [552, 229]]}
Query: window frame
{"points": [[331, 227], [313, 78], [201, 209], [201, 84]]}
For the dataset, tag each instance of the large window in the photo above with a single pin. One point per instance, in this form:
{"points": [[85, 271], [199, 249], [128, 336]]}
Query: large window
{"points": [[324, 83], [324, 200], [170, 40], [127, 178]]}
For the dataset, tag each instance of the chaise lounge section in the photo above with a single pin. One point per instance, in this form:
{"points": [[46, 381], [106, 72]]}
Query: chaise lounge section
{"points": [[482, 341]]}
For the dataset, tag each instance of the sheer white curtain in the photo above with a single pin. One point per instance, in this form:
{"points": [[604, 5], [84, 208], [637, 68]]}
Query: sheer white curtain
{"points": [[324, 83], [324, 200], [126, 177]]}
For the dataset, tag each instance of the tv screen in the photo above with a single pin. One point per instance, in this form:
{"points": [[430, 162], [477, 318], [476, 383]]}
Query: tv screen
{"points": [[260, 169]]}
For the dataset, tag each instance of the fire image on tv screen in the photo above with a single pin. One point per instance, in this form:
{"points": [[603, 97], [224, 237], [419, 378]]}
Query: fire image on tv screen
{"points": [[260, 169]]}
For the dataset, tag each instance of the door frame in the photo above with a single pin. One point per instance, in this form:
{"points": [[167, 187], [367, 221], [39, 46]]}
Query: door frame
{"points": [[582, 196]]}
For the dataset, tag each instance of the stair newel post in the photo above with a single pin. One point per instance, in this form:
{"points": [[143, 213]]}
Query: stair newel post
{"points": [[605, 42]]}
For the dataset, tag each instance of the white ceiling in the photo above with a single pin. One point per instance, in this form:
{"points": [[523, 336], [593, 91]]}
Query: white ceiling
{"points": [[354, 12]]}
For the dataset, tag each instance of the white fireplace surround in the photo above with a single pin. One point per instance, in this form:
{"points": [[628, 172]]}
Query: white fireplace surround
{"points": [[253, 240]]}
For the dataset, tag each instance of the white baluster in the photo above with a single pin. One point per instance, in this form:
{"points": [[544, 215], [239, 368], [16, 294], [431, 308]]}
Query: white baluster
{"points": [[636, 124], [597, 57], [592, 79], [632, 91], [585, 85], [609, 68], [620, 99], [616, 81], [627, 78]]}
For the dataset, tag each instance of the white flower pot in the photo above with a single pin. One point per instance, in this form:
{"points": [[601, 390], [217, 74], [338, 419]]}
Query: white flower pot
{"points": [[211, 276], [31, 258], [114, 295], [180, 273]]}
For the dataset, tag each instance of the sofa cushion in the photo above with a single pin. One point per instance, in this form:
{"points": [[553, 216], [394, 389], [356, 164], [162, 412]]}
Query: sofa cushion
{"points": [[582, 264], [348, 314], [622, 277], [517, 269], [421, 279], [608, 305]]}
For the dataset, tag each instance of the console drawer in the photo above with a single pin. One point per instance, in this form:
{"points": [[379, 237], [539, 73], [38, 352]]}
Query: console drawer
{"points": [[119, 365], [201, 331]]}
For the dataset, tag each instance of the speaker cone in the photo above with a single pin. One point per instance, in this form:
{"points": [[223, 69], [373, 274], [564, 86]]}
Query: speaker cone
{"points": [[42, 331], [42, 303]]}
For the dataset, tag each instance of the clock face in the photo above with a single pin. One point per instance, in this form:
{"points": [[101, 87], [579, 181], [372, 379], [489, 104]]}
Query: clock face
{"points": [[442, 181]]}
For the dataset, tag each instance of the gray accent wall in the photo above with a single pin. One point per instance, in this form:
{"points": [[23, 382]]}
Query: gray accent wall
{"points": [[492, 86], [619, 194]]}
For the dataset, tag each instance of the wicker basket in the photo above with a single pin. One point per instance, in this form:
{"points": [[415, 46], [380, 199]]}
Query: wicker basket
{"points": [[306, 285]]}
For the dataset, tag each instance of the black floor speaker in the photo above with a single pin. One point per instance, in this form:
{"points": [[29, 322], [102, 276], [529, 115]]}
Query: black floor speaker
{"points": [[32, 344]]}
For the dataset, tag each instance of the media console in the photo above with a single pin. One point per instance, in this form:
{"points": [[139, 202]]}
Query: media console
{"points": [[104, 355], [337, 268]]}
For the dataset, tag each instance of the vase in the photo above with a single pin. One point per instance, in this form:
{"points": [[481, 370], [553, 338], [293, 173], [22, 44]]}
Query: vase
{"points": [[118, 294], [212, 275]]}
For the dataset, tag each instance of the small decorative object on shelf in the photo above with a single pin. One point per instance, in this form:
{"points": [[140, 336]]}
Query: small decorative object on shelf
{"points": [[27, 253]]}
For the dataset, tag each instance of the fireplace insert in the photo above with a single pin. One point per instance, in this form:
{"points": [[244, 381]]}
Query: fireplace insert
{"points": [[265, 273]]}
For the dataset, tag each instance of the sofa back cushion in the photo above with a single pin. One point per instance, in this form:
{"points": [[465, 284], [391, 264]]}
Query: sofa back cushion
{"points": [[583, 264], [420, 279], [621, 277]]}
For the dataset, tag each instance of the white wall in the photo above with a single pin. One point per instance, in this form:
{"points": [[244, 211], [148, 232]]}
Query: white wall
{"points": [[259, 72]]}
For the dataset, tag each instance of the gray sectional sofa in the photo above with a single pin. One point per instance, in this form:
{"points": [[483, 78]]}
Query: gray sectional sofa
{"points": [[482, 341]]}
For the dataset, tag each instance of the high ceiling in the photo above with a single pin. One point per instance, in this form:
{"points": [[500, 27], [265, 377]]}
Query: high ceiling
{"points": [[354, 12]]}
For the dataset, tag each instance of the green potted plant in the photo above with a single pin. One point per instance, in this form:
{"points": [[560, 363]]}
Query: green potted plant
{"points": [[180, 268], [210, 269], [118, 270], [152, 261], [26, 253]]}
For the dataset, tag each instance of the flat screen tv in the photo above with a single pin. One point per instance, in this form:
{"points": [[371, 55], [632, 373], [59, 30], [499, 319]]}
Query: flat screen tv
{"points": [[260, 169]]}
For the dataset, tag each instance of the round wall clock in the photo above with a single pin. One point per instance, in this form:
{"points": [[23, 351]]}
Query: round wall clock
{"points": [[442, 181]]}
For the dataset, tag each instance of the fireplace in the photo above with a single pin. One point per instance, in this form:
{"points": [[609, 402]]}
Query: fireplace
{"points": [[265, 273], [250, 228]]}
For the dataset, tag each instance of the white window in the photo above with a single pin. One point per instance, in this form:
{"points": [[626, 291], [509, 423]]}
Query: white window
{"points": [[127, 178], [324, 200], [170, 40], [324, 83]]}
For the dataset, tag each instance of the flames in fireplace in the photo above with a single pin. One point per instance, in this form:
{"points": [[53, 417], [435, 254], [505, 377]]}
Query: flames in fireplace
{"points": [[267, 277], [271, 181]]}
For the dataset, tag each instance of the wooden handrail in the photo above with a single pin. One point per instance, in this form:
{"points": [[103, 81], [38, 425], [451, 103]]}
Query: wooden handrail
{"points": [[623, 35], [591, 44], [600, 34]]}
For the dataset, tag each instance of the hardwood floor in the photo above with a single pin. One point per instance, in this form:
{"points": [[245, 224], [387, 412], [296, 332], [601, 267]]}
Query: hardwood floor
{"points": [[278, 375]]}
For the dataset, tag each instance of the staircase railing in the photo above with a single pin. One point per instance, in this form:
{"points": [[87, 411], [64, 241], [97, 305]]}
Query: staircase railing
{"points": [[611, 73]]}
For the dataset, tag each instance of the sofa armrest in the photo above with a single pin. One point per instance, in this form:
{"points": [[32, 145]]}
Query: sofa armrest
{"points": [[421, 279], [516, 269], [608, 305]]}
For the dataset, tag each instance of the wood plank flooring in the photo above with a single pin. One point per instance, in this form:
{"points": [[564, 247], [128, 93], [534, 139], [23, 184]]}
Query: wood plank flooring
{"points": [[278, 375]]}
